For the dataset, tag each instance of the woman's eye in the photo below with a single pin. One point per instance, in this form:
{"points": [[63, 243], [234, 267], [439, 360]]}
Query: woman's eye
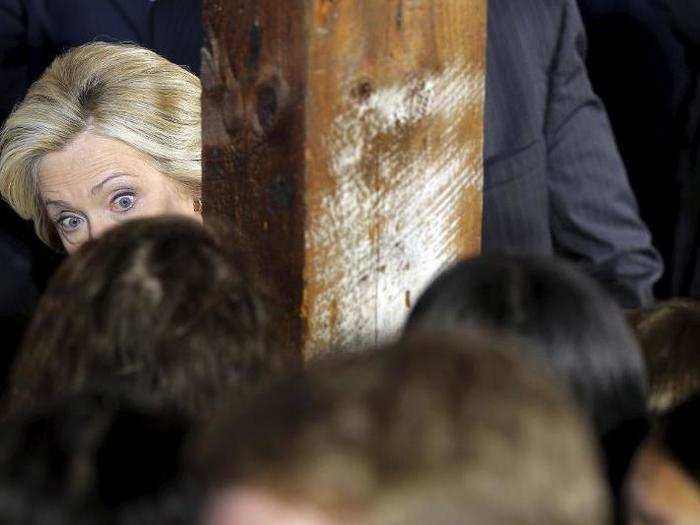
{"points": [[123, 202], [70, 223]]}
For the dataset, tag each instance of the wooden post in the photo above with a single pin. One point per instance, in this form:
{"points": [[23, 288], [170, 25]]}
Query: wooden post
{"points": [[343, 153]]}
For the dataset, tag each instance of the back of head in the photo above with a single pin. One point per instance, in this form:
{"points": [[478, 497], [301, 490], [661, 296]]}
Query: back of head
{"points": [[94, 459], [669, 334], [431, 430], [573, 325], [156, 306]]}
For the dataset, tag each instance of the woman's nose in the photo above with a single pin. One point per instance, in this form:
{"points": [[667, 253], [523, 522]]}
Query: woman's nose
{"points": [[98, 227]]}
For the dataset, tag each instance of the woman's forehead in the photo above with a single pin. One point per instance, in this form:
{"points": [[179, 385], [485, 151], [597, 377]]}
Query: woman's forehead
{"points": [[86, 161]]}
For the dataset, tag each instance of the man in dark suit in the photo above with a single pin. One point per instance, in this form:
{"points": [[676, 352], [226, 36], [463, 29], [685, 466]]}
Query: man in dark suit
{"points": [[32, 34], [554, 180]]}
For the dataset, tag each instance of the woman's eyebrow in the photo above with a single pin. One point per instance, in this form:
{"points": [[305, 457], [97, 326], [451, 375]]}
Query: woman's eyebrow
{"points": [[62, 204], [97, 187]]}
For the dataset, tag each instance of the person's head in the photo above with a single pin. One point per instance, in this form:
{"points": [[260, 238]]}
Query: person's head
{"points": [[669, 334], [572, 324], [664, 481], [97, 459], [434, 429], [157, 305], [108, 133]]}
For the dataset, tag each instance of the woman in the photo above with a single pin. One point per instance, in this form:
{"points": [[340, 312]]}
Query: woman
{"points": [[107, 134]]}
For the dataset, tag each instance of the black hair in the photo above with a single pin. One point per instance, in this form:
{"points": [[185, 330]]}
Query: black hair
{"points": [[95, 459], [574, 326]]}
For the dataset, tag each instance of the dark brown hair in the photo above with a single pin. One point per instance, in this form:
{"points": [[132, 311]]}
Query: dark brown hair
{"points": [[95, 459], [156, 306], [669, 334], [413, 433]]}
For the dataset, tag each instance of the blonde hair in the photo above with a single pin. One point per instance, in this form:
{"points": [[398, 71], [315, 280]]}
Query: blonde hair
{"points": [[119, 91]]}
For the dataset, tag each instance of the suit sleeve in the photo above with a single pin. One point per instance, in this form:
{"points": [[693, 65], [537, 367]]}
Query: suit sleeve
{"points": [[594, 214]]}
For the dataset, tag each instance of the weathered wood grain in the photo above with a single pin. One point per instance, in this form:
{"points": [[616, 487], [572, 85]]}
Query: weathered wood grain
{"points": [[254, 89], [343, 153]]}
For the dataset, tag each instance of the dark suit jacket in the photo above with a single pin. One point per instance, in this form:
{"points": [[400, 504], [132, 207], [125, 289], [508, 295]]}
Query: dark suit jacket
{"points": [[635, 60], [685, 15], [554, 181], [33, 32]]}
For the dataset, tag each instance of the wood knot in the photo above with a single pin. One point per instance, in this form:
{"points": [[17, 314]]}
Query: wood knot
{"points": [[362, 91], [270, 99]]}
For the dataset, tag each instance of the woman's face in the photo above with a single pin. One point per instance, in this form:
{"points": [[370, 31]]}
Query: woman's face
{"points": [[96, 183]]}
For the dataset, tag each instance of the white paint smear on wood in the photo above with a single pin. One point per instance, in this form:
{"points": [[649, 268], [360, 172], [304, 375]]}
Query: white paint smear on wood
{"points": [[370, 278]]}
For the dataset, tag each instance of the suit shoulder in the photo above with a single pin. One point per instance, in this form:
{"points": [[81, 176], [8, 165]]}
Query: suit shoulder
{"points": [[534, 6], [534, 26], [534, 13]]}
